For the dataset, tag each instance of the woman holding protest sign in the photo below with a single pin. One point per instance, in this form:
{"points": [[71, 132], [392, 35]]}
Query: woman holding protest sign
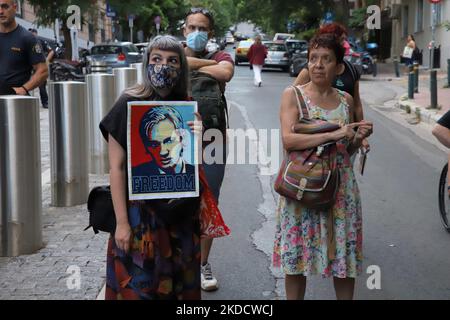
{"points": [[154, 253]]}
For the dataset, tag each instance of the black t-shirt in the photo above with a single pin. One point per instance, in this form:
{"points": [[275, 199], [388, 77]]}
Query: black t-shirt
{"points": [[445, 120], [19, 51], [346, 81]]}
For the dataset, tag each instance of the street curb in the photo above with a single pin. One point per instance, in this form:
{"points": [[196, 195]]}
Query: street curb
{"points": [[428, 116]]}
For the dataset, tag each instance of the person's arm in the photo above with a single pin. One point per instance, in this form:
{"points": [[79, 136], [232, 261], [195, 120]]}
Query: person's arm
{"points": [[289, 115], [196, 63], [222, 72], [50, 56], [38, 78], [357, 104], [442, 134], [117, 163], [302, 78]]}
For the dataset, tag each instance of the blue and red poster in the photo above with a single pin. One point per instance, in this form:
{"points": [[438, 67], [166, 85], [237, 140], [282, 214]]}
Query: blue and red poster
{"points": [[162, 150]]}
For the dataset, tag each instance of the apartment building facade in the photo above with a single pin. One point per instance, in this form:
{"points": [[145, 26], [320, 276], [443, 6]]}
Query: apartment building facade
{"points": [[416, 17], [92, 32]]}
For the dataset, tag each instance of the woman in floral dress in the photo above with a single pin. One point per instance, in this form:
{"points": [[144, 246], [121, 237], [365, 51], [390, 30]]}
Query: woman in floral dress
{"points": [[310, 242]]}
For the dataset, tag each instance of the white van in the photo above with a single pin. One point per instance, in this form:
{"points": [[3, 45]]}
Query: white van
{"points": [[283, 36]]}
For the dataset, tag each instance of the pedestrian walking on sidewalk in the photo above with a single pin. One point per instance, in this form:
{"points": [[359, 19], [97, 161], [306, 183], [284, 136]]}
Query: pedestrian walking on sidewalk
{"points": [[206, 66], [256, 56], [347, 81], [20, 55], [314, 241], [149, 257], [409, 54]]}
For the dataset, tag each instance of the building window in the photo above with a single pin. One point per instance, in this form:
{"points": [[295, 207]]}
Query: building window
{"points": [[19, 12], [405, 20], [419, 16], [91, 32], [438, 7]]}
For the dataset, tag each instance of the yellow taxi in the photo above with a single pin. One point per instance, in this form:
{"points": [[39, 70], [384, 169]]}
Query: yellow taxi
{"points": [[242, 50]]}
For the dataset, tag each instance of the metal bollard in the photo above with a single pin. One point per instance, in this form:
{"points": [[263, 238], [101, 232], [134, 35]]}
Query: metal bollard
{"points": [[140, 71], [375, 68], [68, 143], [99, 67], [397, 68], [20, 176], [416, 77], [411, 85], [433, 89], [448, 72], [101, 98], [124, 78]]}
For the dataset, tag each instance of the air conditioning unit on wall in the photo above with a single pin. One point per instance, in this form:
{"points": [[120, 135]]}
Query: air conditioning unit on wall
{"points": [[396, 11]]}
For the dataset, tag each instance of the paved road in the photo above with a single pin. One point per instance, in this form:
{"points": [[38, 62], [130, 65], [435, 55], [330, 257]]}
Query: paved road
{"points": [[402, 230]]}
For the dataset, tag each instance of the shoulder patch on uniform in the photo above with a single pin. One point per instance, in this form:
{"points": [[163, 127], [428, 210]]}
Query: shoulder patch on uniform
{"points": [[37, 48]]}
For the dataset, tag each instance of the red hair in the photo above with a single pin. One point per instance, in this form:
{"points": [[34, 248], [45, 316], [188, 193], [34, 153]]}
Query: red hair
{"points": [[335, 28]]}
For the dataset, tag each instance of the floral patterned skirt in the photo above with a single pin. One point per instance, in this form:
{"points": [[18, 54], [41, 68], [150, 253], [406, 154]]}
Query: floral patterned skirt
{"points": [[301, 240], [163, 262]]}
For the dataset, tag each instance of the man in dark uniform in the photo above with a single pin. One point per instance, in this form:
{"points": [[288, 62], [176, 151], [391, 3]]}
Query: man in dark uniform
{"points": [[49, 53], [20, 54]]}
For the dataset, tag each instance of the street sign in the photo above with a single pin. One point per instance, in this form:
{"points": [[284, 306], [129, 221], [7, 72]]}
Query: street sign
{"points": [[131, 23], [110, 13], [329, 17]]}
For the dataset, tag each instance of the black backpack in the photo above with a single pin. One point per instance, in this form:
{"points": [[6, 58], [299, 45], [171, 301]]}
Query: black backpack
{"points": [[212, 104]]}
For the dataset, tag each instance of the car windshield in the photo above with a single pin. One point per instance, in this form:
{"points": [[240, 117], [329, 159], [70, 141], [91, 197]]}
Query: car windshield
{"points": [[245, 44], [106, 50], [296, 45], [132, 48], [275, 47]]}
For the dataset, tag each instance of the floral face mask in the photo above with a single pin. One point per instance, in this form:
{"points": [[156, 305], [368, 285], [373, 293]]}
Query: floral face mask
{"points": [[163, 76]]}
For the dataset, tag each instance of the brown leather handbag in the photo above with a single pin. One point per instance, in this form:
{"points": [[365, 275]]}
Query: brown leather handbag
{"points": [[310, 176]]}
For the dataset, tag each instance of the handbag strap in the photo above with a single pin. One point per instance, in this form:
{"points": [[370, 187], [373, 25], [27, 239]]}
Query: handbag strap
{"points": [[302, 107]]}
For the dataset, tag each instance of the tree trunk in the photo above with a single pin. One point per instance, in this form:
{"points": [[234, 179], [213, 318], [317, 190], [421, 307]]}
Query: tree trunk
{"points": [[67, 42]]}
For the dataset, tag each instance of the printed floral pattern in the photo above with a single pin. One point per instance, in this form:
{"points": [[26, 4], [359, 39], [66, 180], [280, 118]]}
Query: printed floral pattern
{"points": [[301, 239], [163, 76]]}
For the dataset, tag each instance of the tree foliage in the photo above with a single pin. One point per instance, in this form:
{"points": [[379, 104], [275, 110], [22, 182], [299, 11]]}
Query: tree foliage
{"points": [[47, 11]]}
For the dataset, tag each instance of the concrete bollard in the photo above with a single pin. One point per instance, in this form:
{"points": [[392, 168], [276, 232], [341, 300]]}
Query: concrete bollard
{"points": [[20, 176], [68, 143]]}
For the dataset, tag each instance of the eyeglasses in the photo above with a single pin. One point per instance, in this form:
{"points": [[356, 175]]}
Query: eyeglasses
{"points": [[5, 6]]}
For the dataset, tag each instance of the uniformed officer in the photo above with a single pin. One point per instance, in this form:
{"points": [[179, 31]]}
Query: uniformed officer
{"points": [[49, 53], [20, 54]]}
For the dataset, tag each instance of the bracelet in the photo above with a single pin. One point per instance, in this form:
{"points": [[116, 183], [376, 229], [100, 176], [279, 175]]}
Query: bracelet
{"points": [[28, 93]]}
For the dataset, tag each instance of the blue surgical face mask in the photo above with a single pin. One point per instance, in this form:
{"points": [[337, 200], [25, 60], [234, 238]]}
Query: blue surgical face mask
{"points": [[197, 40]]}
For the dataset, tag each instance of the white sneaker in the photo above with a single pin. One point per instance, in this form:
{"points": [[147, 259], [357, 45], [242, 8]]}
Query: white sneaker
{"points": [[208, 282]]}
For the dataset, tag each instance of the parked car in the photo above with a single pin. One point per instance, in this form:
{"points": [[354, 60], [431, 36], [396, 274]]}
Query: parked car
{"points": [[142, 46], [283, 36], [297, 62], [212, 45], [116, 54], [296, 46], [241, 51], [229, 38], [277, 55]]}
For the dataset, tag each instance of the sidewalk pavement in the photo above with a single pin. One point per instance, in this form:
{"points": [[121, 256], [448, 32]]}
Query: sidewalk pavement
{"points": [[422, 100], [45, 275]]}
